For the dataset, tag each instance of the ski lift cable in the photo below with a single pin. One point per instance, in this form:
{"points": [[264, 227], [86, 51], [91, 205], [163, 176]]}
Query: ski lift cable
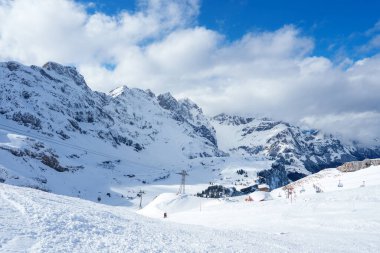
{"points": [[43, 138], [28, 134]]}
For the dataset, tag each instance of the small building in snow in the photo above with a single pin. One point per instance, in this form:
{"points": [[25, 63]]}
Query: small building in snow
{"points": [[264, 187]]}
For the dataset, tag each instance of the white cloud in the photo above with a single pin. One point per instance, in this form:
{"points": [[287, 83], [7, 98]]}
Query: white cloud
{"points": [[374, 43], [374, 39], [35, 31], [364, 123], [160, 46]]}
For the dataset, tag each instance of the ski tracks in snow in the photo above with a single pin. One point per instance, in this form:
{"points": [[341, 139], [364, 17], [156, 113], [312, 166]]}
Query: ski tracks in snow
{"points": [[16, 232], [35, 221]]}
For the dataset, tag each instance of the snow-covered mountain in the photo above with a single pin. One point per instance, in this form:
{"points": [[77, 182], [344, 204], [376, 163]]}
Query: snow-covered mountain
{"points": [[58, 135], [297, 152], [56, 101], [52, 122]]}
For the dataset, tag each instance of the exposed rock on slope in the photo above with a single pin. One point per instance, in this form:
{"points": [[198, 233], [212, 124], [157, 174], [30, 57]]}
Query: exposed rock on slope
{"points": [[358, 165], [297, 152]]}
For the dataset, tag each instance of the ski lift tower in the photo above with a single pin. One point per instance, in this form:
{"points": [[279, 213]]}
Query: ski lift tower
{"points": [[140, 195], [181, 190]]}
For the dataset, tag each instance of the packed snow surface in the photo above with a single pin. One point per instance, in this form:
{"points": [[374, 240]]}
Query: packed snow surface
{"points": [[339, 219]]}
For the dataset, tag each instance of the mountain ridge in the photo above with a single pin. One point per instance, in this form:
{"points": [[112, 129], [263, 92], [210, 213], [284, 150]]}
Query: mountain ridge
{"points": [[132, 131]]}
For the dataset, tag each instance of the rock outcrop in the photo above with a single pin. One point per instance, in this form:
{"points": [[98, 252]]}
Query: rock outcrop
{"points": [[358, 165]]}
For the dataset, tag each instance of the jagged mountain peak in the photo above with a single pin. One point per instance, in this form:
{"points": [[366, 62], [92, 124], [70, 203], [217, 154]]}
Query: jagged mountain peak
{"points": [[59, 68], [185, 110], [181, 106], [189, 103], [57, 75], [118, 91], [66, 71], [150, 93], [126, 91], [168, 102], [11, 65], [224, 118]]}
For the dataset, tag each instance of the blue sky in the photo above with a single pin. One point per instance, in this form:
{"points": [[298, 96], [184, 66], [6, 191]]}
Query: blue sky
{"points": [[337, 26]]}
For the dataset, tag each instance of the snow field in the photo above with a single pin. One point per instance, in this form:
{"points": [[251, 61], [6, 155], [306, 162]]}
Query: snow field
{"points": [[35, 221], [341, 219]]}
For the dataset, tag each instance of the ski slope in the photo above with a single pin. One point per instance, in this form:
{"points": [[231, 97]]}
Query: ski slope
{"points": [[344, 219], [35, 221], [340, 219]]}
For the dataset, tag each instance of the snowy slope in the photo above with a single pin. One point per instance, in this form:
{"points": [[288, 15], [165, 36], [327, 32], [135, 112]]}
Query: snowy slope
{"points": [[340, 219], [34, 221], [332, 180]]}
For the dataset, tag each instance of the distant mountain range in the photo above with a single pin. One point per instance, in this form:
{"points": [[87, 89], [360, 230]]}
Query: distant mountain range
{"points": [[297, 152], [57, 134]]}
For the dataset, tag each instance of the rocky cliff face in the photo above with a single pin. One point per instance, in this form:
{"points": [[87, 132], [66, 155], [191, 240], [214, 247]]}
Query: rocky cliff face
{"points": [[358, 165]]}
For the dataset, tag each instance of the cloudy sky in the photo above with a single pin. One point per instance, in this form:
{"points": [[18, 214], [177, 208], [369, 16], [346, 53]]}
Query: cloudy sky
{"points": [[316, 65]]}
